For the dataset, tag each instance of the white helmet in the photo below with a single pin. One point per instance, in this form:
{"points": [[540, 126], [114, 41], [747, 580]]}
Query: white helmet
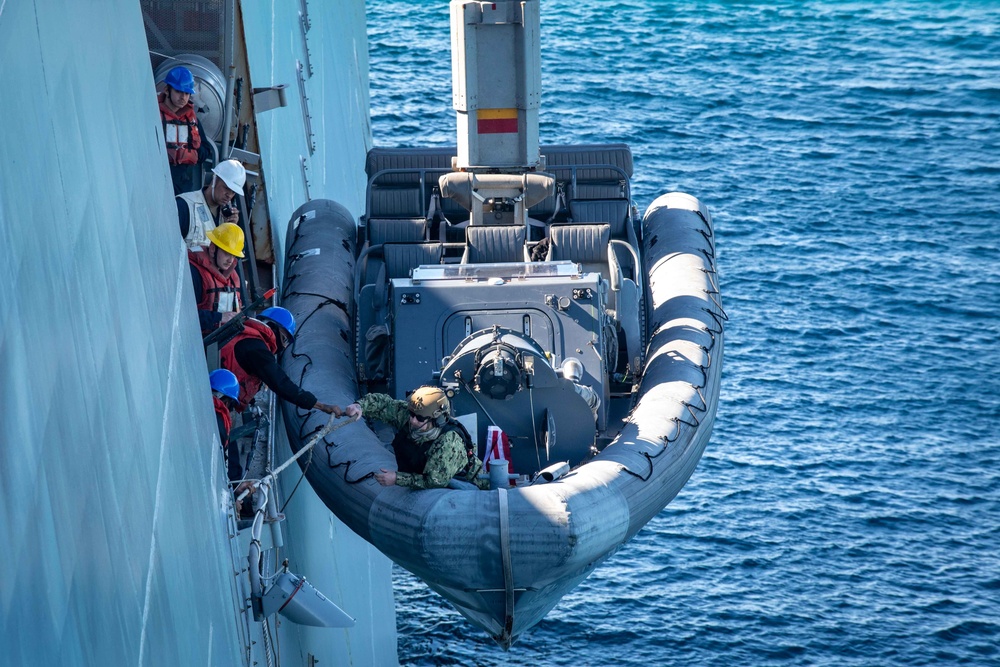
{"points": [[232, 174], [572, 369]]}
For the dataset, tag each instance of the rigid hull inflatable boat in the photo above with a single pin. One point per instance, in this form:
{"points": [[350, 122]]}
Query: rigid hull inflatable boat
{"points": [[577, 342]]}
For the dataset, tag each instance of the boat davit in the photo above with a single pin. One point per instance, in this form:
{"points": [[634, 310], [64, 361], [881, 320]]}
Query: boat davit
{"points": [[580, 344]]}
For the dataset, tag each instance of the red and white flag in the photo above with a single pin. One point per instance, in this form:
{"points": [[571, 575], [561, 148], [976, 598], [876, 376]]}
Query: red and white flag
{"points": [[497, 446]]}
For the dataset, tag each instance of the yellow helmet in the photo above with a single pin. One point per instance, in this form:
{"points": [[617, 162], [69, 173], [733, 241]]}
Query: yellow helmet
{"points": [[229, 237], [430, 402]]}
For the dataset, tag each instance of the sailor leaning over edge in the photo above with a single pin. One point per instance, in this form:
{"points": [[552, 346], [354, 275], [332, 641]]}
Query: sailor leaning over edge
{"points": [[431, 447]]}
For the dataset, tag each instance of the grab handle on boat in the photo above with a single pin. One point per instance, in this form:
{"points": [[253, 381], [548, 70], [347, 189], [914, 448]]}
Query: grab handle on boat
{"points": [[552, 473]]}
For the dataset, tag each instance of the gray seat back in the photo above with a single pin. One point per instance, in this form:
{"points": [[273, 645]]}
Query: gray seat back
{"points": [[589, 246], [401, 258], [585, 244], [396, 230], [612, 211], [494, 243]]}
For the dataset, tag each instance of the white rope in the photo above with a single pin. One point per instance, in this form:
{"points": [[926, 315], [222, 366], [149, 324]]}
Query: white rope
{"points": [[273, 475]]}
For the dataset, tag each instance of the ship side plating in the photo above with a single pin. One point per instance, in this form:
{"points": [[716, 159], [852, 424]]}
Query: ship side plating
{"points": [[114, 498]]}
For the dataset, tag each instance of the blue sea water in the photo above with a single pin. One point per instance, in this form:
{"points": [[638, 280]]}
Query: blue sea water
{"points": [[847, 510]]}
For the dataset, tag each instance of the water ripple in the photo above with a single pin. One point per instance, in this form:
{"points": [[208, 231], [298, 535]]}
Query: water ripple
{"points": [[846, 511]]}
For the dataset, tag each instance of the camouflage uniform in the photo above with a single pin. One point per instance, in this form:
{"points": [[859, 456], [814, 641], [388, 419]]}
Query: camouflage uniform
{"points": [[446, 454]]}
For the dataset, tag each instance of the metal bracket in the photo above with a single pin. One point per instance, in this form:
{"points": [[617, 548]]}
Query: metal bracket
{"points": [[304, 16], [306, 118], [246, 157], [270, 97], [305, 175], [305, 24]]}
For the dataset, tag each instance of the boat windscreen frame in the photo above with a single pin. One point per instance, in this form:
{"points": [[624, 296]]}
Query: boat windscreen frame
{"points": [[509, 271]]}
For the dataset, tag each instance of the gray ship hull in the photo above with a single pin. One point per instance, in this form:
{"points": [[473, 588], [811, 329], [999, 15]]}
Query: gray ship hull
{"points": [[114, 498]]}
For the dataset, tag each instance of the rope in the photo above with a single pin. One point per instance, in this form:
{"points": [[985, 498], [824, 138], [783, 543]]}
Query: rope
{"points": [[649, 459], [347, 467], [534, 428], [295, 488], [268, 649], [508, 575], [273, 475]]}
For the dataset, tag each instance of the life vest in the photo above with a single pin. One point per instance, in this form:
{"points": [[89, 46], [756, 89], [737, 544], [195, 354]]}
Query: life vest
{"points": [[200, 220], [412, 456], [223, 411], [218, 293], [249, 384], [180, 130]]}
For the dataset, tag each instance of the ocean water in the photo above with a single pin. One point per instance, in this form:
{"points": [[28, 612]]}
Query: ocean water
{"points": [[847, 510]]}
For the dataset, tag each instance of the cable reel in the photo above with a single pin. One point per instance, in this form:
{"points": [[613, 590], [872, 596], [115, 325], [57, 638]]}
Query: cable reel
{"points": [[498, 368]]}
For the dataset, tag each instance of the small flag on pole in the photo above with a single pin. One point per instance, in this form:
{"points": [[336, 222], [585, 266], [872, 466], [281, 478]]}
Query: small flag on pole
{"points": [[497, 446]]}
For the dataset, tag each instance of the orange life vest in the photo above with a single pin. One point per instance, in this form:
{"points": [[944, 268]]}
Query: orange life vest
{"points": [[180, 130], [223, 411], [214, 284], [249, 384]]}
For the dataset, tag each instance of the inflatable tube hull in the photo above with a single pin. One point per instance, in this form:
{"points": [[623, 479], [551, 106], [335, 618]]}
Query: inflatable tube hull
{"points": [[504, 558]]}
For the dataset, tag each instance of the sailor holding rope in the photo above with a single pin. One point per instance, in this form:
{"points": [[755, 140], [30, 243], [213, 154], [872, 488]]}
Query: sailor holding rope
{"points": [[431, 447]]}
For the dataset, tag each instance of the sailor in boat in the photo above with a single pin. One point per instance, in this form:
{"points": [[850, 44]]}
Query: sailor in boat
{"points": [[250, 355], [214, 276], [201, 210], [572, 370], [432, 449], [182, 131]]}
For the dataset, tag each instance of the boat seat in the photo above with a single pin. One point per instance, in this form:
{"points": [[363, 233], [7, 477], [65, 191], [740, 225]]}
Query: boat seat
{"points": [[618, 156], [397, 261], [387, 262], [396, 230], [409, 162], [487, 244], [612, 211], [589, 246], [395, 202], [585, 244], [401, 258]]}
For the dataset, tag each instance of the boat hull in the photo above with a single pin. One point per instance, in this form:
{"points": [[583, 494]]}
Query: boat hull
{"points": [[505, 557]]}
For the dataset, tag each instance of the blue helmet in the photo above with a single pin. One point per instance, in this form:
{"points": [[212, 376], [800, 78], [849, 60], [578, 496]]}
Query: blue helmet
{"points": [[180, 78], [282, 317], [224, 381]]}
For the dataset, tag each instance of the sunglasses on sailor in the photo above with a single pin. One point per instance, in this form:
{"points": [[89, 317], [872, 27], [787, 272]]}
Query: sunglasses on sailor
{"points": [[419, 418]]}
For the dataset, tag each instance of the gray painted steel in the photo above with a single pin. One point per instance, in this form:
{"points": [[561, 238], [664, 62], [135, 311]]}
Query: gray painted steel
{"points": [[112, 486], [551, 535], [111, 505]]}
